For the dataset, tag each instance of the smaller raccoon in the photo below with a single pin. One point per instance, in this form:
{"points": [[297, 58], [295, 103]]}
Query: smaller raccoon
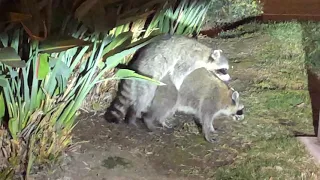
{"points": [[202, 94]]}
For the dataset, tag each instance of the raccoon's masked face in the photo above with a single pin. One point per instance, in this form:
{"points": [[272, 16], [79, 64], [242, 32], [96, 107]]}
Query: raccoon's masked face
{"points": [[238, 108], [219, 65], [239, 115]]}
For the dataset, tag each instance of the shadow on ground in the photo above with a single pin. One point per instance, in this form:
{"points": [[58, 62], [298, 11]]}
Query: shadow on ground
{"points": [[314, 91], [312, 58]]}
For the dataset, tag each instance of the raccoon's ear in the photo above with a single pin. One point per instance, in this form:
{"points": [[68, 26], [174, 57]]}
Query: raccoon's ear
{"points": [[216, 54], [235, 97]]}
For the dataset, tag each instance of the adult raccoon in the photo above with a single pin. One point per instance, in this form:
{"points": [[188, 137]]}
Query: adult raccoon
{"points": [[201, 94], [176, 56]]}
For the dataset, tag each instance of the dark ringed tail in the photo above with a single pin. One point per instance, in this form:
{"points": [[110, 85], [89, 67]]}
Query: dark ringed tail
{"points": [[118, 109]]}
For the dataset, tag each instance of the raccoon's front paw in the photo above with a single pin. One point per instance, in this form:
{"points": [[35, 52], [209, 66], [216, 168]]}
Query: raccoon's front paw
{"points": [[212, 137], [133, 123], [151, 126], [166, 125]]}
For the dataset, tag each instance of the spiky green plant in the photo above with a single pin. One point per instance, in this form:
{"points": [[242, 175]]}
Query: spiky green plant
{"points": [[186, 18], [42, 115], [40, 97]]}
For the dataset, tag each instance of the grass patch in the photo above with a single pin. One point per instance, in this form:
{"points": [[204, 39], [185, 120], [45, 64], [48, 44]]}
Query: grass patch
{"points": [[282, 57], [311, 41], [277, 108], [286, 37], [272, 118], [276, 158]]}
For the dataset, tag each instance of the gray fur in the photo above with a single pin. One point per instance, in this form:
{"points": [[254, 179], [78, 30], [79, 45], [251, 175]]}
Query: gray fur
{"points": [[176, 57], [202, 94]]}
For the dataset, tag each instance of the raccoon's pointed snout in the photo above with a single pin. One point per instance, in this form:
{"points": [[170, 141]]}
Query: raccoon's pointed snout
{"points": [[238, 117], [223, 75]]}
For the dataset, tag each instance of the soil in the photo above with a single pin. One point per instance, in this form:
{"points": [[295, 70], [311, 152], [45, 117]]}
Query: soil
{"points": [[105, 151]]}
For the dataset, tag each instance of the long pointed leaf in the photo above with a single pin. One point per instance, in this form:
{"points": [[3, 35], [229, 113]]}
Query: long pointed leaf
{"points": [[129, 74], [114, 60], [9, 57], [61, 43]]}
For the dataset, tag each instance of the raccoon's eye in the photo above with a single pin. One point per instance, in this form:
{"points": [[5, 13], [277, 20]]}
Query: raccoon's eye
{"points": [[222, 71], [239, 112]]}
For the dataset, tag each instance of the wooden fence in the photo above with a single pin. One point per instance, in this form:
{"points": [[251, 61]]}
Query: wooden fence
{"points": [[286, 10]]}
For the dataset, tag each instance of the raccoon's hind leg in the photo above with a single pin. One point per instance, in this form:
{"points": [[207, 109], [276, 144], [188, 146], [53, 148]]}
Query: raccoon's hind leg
{"points": [[132, 116], [144, 96], [157, 116], [163, 104], [119, 106]]}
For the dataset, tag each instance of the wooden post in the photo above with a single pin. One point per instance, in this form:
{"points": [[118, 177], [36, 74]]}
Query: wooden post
{"points": [[318, 134]]}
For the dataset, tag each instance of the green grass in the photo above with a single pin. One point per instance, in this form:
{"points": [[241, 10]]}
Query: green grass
{"points": [[276, 109], [311, 41]]}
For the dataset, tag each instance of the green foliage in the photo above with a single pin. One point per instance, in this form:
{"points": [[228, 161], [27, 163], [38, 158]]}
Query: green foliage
{"points": [[129, 74], [227, 11], [186, 18], [9, 57], [65, 59], [287, 36], [311, 42], [60, 83], [40, 96]]}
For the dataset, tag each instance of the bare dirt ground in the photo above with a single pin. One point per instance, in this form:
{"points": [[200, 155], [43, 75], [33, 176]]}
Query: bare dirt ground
{"points": [[120, 152]]}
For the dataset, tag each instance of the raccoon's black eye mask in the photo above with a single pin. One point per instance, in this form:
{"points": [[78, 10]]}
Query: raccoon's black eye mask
{"points": [[239, 112], [222, 71]]}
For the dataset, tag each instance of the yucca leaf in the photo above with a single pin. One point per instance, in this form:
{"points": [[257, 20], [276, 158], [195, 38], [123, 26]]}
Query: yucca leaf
{"points": [[119, 40], [44, 67], [26, 89], [9, 57], [13, 127], [69, 124], [64, 118], [153, 24], [2, 107], [178, 9], [15, 40], [129, 74], [129, 19], [61, 43], [78, 57], [35, 81], [62, 70], [114, 60], [4, 38], [56, 112], [161, 22], [3, 82], [166, 25]]}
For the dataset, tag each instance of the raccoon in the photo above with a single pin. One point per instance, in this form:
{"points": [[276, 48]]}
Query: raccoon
{"points": [[176, 56], [202, 94]]}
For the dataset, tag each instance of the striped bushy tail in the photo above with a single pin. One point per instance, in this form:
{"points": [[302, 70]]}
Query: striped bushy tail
{"points": [[119, 107]]}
